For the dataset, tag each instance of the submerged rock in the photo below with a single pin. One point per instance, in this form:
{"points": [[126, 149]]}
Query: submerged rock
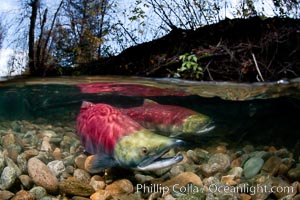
{"points": [[42, 175], [23, 195], [82, 176], [284, 190], [219, 162], [22, 163], [38, 192], [6, 195], [271, 166], [26, 181], [97, 182], [57, 167], [252, 167], [10, 163], [8, 140], [294, 173], [76, 188], [122, 186], [8, 177], [2, 161], [183, 179]]}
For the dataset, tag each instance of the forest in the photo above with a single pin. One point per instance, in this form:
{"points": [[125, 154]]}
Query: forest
{"points": [[219, 40]]}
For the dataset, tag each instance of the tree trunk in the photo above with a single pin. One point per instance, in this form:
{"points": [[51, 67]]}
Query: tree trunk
{"points": [[34, 4]]}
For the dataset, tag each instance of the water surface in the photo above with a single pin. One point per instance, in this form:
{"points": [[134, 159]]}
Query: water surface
{"points": [[258, 114]]}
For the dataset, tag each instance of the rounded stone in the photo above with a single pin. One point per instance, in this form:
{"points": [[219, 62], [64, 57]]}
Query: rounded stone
{"points": [[57, 154], [7, 140], [271, 166], [30, 153], [101, 195], [46, 146], [57, 167], [122, 186], [75, 188], [252, 167], [80, 160], [23, 195], [22, 163], [2, 160], [26, 181], [13, 151], [183, 179], [236, 171], [197, 155], [48, 133], [294, 173], [10, 163], [229, 180], [42, 175], [6, 195], [81, 175], [221, 161], [97, 182], [141, 178], [285, 190], [38, 192], [8, 177]]}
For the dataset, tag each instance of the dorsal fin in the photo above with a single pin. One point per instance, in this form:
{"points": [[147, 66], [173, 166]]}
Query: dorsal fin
{"points": [[149, 101], [86, 104]]}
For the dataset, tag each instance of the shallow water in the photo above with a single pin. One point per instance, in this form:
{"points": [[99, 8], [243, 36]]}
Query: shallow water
{"points": [[258, 114], [256, 135]]}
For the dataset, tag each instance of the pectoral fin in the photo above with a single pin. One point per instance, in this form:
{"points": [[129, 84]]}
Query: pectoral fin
{"points": [[97, 163]]}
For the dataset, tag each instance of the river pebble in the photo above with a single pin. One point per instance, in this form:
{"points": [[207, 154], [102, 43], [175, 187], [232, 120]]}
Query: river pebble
{"points": [[252, 167], [26, 181], [120, 187], [42, 176], [97, 182], [271, 166], [23, 195], [8, 140], [38, 192], [45, 162], [183, 179], [76, 188], [80, 160], [219, 162], [2, 160], [57, 167], [22, 163], [82, 176], [6, 195], [294, 173], [8, 177]]}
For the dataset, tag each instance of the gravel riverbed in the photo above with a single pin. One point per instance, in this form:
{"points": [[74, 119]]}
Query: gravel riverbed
{"points": [[46, 162]]}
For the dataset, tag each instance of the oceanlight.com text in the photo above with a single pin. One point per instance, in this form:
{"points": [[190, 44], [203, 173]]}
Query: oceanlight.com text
{"points": [[250, 189], [213, 188]]}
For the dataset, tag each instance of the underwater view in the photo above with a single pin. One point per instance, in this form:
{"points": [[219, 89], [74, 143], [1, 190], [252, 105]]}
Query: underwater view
{"points": [[141, 138]]}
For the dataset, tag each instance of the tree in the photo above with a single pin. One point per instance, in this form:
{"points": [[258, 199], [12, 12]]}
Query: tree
{"points": [[2, 33], [34, 4], [87, 23], [38, 46]]}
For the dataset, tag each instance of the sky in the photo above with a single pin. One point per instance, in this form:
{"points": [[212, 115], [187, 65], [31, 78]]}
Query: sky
{"points": [[9, 10]]}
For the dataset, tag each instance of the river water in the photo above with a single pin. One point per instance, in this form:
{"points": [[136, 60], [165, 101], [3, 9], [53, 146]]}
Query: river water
{"points": [[266, 113], [257, 117]]}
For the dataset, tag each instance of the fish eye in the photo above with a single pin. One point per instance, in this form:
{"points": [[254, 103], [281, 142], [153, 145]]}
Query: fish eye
{"points": [[144, 150]]}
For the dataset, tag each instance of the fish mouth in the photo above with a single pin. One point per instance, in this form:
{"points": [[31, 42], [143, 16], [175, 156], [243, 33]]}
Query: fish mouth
{"points": [[207, 128], [157, 162]]}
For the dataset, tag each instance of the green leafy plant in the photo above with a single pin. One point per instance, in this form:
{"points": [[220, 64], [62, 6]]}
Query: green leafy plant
{"points": [[189, 67]]}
